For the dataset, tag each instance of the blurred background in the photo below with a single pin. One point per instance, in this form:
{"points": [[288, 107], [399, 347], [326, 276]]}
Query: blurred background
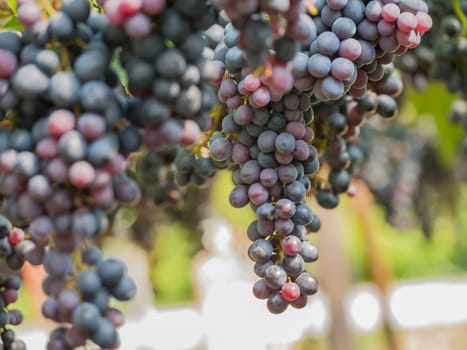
{"points": [[392, 267]]}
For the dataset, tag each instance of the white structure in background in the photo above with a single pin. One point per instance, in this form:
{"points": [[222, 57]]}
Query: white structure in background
{"points": [[177, 328], [363, 305], [221, 264], [429, 303], [229, 317]]}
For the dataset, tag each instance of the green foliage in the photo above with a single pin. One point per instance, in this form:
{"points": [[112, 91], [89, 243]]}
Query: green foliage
{"points": [[12, 5], [8, 16], [171, 265], [435, 103], [409, 254], [12, 23], [459, 257]]}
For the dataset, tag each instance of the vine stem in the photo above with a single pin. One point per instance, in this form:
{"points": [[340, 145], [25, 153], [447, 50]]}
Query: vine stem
{"points": [[456, 4]]}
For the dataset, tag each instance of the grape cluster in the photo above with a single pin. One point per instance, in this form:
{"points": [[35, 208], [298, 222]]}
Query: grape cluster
{"points": [[337, 129], [259, 41], [86, 305], [404, 171], [265, 134], [355, 39], [11, 239], [165, 174], [9, 285], [274, 160], [154, 173], [441, 54], [450, 53], [62, 163], [283, 122], [415, 66], [360, 39], [268, 32], [168, 66]]}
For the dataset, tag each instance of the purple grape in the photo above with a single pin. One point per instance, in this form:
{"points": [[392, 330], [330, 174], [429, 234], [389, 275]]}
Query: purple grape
{"points": [[8, 63]]}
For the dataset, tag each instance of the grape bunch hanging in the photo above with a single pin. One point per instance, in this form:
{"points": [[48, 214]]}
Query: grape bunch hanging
{"points": [[273, 91]]}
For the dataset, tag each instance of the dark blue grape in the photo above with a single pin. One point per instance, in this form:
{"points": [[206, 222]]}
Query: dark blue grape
{"points": [[293, 265], [72, 146], [5, 226], [275, 276], [285, 143], [21, 140], [309, 252], [78, 10], [91, 256], [173, 25], [124, 290], [111, 271], [27, 164], [327, 199], [94, 96], [62, 26], [308, 283], [339, 180], [103, 150], [86, 317], [170, 64], [83, 224], [88, 283], [47, 60], [29, 81], [276, 304], [64, 89], [10, 40], [260, 251], [130, 139], [295, 191], [260, 268], [105, 334], [303, 214]]}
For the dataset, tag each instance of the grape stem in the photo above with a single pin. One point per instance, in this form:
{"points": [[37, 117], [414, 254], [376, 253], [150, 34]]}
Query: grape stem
{"points": [[48, 7], [456, 4], [217, 114], [79, 267], [310, 6]]}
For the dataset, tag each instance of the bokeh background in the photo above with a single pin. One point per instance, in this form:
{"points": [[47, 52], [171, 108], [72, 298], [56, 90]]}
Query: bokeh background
{"points": [[392, 267]]}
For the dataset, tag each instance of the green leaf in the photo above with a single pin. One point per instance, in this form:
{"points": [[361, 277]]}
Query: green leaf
{"points": [[12, 5], [436, 102], [10, 23]]}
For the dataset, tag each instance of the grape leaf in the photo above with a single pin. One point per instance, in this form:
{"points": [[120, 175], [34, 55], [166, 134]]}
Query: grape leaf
{"points": [[11, 23], [12, 5]]}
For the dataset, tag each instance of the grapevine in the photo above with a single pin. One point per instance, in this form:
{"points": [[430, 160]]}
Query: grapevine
{"points": [[106, 102]]}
